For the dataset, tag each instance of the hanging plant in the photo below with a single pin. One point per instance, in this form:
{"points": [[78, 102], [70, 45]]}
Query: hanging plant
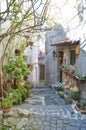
{"points": [[17, 52]]}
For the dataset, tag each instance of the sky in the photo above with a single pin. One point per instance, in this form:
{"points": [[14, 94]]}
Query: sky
{"points": [[57, 13], [60, 12]]}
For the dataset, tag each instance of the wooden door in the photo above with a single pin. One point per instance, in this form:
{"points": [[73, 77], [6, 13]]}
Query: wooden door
{"points": [[60, 62], [42, 72]]}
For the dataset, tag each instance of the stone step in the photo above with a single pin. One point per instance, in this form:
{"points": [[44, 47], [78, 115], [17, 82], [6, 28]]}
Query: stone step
{"points": [[58, 84], [61, 111]]}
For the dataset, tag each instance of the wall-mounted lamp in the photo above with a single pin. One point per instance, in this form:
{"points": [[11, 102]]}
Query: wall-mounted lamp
{"points": [[54, 54]]}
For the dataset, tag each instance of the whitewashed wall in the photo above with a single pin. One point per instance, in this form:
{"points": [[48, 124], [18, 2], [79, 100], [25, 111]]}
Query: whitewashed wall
{"points": [[51, 63]]}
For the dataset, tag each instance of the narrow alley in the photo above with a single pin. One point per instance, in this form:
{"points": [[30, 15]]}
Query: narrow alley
{"points": [[42, 64], [49, 111]]}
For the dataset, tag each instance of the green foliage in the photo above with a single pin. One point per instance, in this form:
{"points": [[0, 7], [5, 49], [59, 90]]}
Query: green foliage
{"points": [[9, 91], [24, 69], [82, 104], [15, 11], [7, 103], [68, 100], [4, 128], [23, 92], [64, 67], [17, 97], [19, 59], [74, 95], [8, 68], [29, 86], [20, 94], [16, 69], [60, 88], [80, 76]]}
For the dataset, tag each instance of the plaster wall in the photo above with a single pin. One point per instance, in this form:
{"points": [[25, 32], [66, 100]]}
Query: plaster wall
{"points": [[32, 55], [82, 88], [51, 64], [81, 62]]}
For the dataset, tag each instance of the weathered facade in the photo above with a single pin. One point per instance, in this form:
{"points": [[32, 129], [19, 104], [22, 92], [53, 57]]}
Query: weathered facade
{"points": [[70, 54], [51, 62], [67, 54]]}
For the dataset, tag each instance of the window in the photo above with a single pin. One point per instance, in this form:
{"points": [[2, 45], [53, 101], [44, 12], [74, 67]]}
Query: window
{"points": [[72, 57]]}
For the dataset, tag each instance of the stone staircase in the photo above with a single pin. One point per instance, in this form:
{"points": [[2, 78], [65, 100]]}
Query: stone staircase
{"points": [[44, 101]]}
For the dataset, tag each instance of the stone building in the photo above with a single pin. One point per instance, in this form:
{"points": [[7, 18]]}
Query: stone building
{"points": [[51, 62], [70, 50]]}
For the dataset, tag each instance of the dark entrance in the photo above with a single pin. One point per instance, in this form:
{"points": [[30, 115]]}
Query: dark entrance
{"points": [[60, 62], [42, 72]]}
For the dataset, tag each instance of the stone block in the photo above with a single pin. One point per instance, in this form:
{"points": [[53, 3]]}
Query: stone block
{"points": [[22, 123]]}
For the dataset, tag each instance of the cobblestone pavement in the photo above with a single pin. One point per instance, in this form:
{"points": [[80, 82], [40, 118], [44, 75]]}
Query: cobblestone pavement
{"points": [[49, 111]]}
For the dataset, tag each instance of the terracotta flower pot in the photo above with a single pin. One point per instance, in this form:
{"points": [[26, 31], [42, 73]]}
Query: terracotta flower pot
{"points": [[17, 52], [6, 110], [81, 81], [9, 84], [75, 101], [0, 106], [82, 111]]}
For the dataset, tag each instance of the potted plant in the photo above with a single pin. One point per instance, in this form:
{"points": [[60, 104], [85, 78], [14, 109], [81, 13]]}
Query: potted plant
{"points": [[26, 79], [28, 88], [80, 78], [17, 52], [75, 96], [68, 100], [60, 91], [81, 106], [17, 96], [9, 83], [23, 92], [8, 74], [60, 88], [6, 104]]}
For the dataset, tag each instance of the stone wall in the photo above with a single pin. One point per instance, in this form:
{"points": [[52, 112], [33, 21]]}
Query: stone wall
{"points": [[81, 62], [51, 64], [82, 88]]}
